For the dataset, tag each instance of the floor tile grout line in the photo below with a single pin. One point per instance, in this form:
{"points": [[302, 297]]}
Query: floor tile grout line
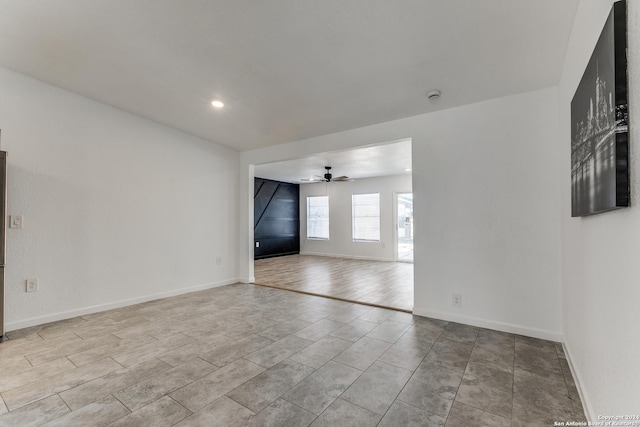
{"points": [[187, 409], [564, 377], [197, 357], [279, 396], [111, 357], [4, 403], [122, 403], [331, 360], [419, 408], [27, 359], [461, 378], [480, 362], [123, 388], [239, 403], [487, 411], [71, 361], [394, 399], [65, 403], [325, 409], [296, 405], [411, 377]]}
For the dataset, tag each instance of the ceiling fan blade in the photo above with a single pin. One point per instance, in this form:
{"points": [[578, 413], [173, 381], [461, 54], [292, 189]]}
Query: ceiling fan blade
{"points": [[311, 180], [343, 179]]}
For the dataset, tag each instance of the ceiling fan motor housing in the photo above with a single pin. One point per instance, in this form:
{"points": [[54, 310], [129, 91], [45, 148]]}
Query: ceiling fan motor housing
{"points": [[327, 176]]}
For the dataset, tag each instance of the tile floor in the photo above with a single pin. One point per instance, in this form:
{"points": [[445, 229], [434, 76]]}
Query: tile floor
{"points": [[255, 356]]}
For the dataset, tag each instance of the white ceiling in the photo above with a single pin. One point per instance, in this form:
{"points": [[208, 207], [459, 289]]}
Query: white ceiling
{"points": [[363, 162], [286, 69]]}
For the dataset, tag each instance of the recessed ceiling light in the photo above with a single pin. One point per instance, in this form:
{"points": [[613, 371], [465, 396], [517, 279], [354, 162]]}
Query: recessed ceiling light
{"points": [[407, 170], [217, 104]]}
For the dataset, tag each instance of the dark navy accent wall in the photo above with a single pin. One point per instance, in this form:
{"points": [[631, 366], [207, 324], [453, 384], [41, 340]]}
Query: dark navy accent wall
{"points": [[276, 218]]}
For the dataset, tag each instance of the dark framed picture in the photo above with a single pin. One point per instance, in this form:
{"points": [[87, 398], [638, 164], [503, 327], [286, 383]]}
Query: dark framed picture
{"points": [[599, 120]]}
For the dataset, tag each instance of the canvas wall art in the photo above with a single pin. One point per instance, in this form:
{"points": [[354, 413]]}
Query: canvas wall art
{"points": [[599, 118]]}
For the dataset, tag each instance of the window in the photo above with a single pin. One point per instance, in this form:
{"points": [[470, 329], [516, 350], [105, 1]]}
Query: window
{"points": [[318, 217], [366, 217]]}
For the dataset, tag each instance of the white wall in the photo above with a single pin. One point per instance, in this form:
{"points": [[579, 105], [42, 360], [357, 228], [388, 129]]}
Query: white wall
{"points": [[341, 242], [601, 271], [117, 209], [487, 204], [486, 208]]}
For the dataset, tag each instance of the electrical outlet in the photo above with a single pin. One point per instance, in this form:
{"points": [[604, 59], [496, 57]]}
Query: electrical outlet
{"points": [[15, 221], [457, 300], [218, 260], [31, 285]]}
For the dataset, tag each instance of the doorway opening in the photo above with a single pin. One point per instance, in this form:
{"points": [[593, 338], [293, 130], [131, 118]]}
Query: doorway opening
{"points": [[404, 227], [337, 263]]}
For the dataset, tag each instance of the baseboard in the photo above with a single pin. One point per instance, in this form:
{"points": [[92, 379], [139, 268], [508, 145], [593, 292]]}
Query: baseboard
{"points": [[248, 280], [356, 257], [490, 324], [577, 378], [34, 321]]}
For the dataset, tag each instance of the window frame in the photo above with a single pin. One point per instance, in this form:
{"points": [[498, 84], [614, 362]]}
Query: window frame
{"points": [[328, 218], [354, 196]]}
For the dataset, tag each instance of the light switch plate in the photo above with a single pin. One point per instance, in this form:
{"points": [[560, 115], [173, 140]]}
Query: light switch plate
{"points": [[15, 221]]}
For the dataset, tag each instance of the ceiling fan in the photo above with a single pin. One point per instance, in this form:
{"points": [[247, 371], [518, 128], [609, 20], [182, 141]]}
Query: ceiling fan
{"points": [[327, 177]]}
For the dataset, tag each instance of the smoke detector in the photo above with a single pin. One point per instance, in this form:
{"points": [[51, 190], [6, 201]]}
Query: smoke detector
{"points": [[433, 94]]}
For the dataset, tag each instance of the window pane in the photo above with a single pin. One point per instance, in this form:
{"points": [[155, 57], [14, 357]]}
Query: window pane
{"points": [[366, 217], [318, 217]]}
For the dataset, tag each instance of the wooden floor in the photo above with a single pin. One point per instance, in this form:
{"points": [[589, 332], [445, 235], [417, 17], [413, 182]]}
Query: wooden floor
{"points": [[379, 283]]}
